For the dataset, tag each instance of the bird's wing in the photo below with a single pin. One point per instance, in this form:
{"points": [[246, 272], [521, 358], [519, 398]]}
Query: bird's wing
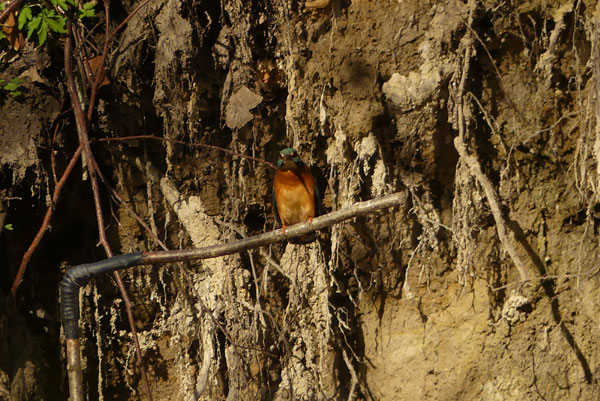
{"points": [[274, 202]]}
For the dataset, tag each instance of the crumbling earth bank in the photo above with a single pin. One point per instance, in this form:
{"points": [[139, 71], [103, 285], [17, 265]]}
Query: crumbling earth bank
{"points": [[483, 114]]}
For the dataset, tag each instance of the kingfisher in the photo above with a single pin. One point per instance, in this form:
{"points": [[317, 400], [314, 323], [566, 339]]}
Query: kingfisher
{"points": [[296, 196]]}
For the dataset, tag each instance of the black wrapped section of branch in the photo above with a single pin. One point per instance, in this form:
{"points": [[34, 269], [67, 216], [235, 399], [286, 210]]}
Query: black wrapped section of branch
{"points": [[77, 277]]}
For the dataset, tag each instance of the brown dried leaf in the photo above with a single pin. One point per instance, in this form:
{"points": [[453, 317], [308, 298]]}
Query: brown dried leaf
{"points": [[237, 113], [14, 36], [9, 24], [33, 75], [95, 64]]}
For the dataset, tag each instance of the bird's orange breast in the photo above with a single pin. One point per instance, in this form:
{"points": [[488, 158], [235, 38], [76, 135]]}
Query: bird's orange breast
{"points": [[295, 195]]}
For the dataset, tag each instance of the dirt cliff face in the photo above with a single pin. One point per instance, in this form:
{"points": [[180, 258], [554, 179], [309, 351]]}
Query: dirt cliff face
{"points": [[482, 285]]}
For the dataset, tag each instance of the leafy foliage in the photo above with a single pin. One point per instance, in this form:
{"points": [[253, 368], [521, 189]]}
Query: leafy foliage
{"points": [[45, 20], [87, 11], [12, 87], [2, 6], [46, 17]]}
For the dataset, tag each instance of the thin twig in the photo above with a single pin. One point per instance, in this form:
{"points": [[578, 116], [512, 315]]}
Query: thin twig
{"points": [[40, 234], [203, 145], [83, 65], [52, 157], [100, 70], [586, 275], [500, 80], [126, 20]]}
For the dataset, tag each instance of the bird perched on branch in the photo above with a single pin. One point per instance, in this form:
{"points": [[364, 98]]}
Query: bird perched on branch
{"points": [[296, 196]]}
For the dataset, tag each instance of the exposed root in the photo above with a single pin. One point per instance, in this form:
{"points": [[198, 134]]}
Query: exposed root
{"points": [[474, 166]]}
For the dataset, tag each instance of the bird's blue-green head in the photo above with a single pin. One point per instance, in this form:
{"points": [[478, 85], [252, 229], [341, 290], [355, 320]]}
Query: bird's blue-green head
{"points": [[288, 158]]}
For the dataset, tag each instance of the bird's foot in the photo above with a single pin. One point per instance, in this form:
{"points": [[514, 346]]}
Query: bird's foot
{"points": [[283, 227], [310, 219]]}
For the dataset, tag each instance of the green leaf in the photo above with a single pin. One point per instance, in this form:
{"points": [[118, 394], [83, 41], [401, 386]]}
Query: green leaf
{"points": [[59, 3], [9, 227], [57, 24], [11, 86], [62, 4], [72, 2], [87, 10], [2, 35], [24, 16], [42, 32], [33, 25]]}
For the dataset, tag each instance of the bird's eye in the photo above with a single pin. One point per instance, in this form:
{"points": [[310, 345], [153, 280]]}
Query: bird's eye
{"points": [[294, 154]]}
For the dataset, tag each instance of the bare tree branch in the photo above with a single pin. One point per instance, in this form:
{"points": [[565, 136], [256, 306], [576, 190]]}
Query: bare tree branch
{"points": [[45, 222], [82, 123], [196, 144], [274, 236]]}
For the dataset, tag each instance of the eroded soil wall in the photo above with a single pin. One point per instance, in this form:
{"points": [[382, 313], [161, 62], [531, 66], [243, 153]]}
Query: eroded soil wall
{"points": [[482, 286]]}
